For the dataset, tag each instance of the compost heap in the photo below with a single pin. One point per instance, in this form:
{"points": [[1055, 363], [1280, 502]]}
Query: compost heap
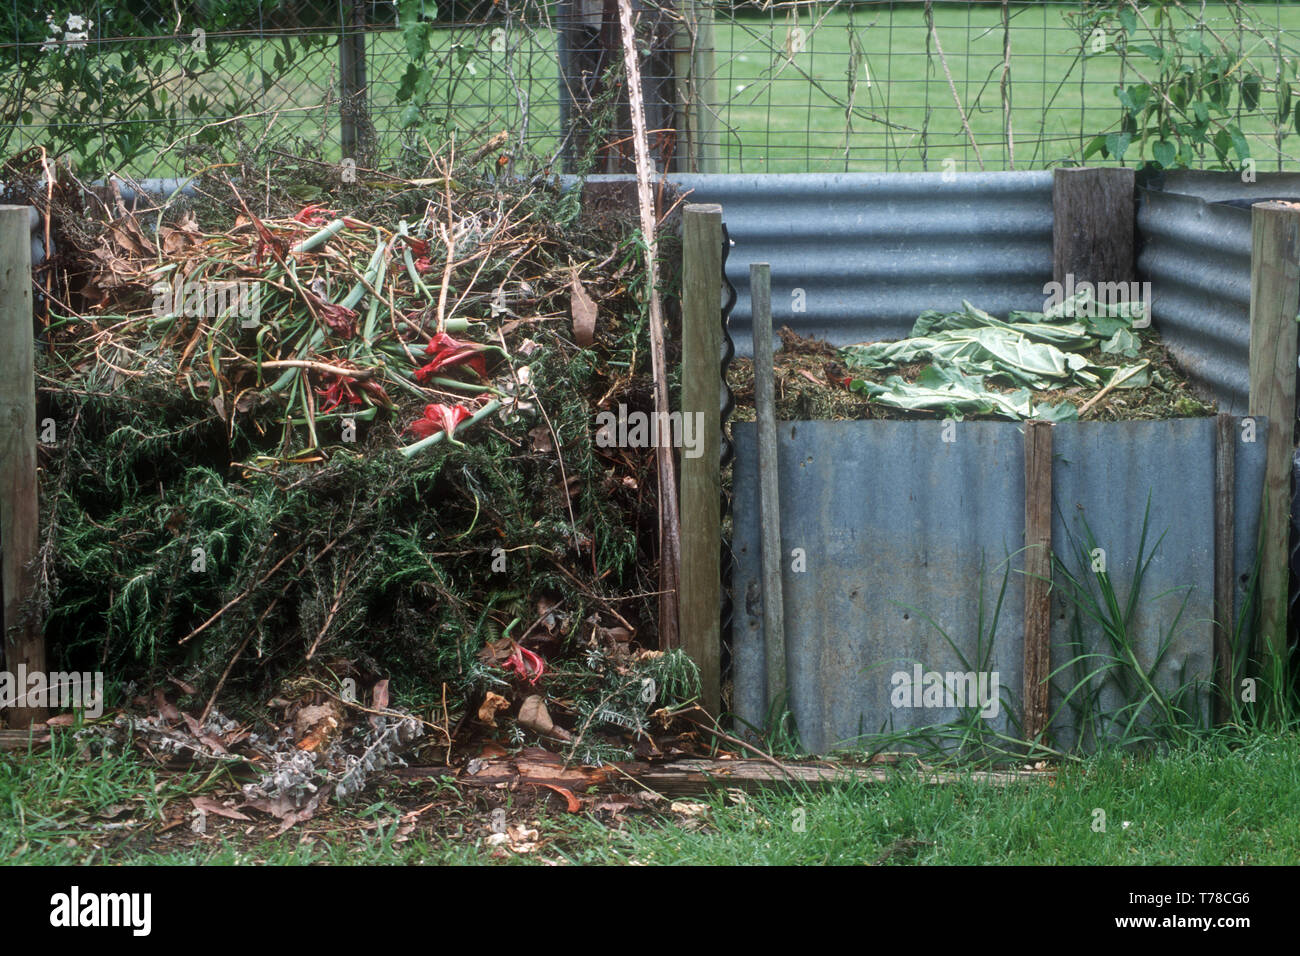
{"points": [[1080, 358], [338, 456]]}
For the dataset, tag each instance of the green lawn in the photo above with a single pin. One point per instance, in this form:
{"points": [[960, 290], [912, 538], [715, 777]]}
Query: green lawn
{"points": [[828, 87], [1214, 804]]}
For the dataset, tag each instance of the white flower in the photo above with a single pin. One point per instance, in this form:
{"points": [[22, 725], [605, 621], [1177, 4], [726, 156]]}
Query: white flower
{"points": [[78, 22]]}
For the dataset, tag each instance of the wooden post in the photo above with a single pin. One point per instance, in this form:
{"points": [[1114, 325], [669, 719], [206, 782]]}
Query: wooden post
{"points": [[694, 68], [1038, 578], [1274, 302], [1225, 571], [353, 109], [769, 504], [701, 511], [1092, 224], [24, 644]]}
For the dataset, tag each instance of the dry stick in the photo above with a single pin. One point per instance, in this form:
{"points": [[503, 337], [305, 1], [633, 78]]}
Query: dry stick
{"points": [[357, 373], [1113, 383], [669, 529], [235, 600], [943, 61], [1006, 83]]}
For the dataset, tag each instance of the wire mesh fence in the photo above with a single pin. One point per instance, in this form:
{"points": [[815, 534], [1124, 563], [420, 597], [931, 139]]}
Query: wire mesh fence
{"points": [[873, 85]]}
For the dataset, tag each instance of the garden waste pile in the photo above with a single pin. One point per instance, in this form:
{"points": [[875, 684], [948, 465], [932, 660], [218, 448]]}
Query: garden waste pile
{"points": [[1079, 359], [307, 438]]}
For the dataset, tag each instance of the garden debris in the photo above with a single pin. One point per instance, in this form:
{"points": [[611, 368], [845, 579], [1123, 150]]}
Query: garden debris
{"points": [[352, 439], [813, 377], [1030, 352]]}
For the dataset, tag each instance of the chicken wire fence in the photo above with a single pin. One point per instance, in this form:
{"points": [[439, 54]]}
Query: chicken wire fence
{"points": [[794, 86]]}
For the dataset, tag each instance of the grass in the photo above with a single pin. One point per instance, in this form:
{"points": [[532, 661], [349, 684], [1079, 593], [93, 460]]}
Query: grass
{"points": [[1221, 801], [860, 88]]}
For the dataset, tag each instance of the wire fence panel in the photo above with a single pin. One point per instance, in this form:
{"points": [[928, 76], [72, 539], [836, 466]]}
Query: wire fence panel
{"points": [[795, 86]]}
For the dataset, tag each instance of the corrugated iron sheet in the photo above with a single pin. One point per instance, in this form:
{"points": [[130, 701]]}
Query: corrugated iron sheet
{"points": [[903, 533], [1195, 239], [864, 253]]}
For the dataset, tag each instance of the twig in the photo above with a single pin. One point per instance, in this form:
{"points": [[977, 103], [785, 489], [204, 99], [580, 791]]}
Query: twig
{"points": [[235, 600], [669, 527], [1113, 383]]}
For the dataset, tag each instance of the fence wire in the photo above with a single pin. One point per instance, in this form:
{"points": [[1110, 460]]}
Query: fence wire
{"points": [[795, 86]]}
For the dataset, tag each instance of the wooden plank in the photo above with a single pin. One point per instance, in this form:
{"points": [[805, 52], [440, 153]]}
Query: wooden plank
{"points": [[696, 776], [1038, 578], [20, 741], [769, 505], [24, 644], [1274, 302], [701, 484], [1225, 483], [1092, 224]]}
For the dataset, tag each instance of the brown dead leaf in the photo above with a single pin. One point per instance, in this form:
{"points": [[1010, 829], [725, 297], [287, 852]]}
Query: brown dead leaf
{"points": [[534, 715], [166, 709], [492, 705], [217, 808], [315, 725], [572, 803], [584, 311]]}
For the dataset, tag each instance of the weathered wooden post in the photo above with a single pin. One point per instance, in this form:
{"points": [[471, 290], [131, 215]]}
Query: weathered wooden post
{"points": [[1092, 224], [1038, 579], [769, 491], [354, 112], [1274, 303], [24, 643], [701, 495], [1092, 242]]}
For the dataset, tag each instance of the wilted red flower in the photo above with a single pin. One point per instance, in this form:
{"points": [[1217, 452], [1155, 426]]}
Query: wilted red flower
{"points": [[526, 664], [447, 353], [315, 215], [343, 391], [341, 320], [423, 265], [438, 418]]}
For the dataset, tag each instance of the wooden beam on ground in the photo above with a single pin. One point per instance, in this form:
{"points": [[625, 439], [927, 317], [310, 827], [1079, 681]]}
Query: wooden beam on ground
{"points": [[699, 609], [1274, 302], [535, 767], [1038, 579], [24, 643]]}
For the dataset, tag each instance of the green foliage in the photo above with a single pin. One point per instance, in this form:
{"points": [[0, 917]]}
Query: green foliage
{"points": [[1193, 87], [108, 103], [388, 558]]}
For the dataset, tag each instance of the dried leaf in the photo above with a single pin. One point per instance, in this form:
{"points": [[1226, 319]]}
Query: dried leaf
{"points": [[492, 704], [584, 312], [534, 715], [216, 807]]}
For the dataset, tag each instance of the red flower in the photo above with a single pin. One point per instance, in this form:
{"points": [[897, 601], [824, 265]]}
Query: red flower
{"points": [[423, 265], [340, 319], [418, 246], [438, 418], [447, 353], [343, 391], [315, 215], [526, 664]]}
